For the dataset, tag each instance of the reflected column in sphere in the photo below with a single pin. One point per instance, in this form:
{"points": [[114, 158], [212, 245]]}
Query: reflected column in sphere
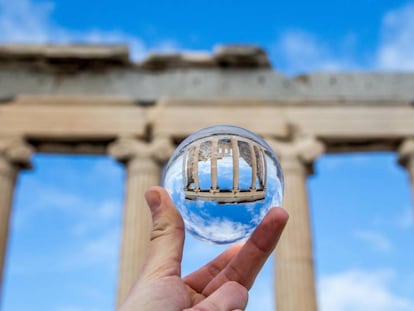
{"points": [[223, 180]]}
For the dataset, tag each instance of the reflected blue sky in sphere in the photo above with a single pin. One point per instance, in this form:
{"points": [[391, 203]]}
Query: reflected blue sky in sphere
{"points": [[217, 222]]}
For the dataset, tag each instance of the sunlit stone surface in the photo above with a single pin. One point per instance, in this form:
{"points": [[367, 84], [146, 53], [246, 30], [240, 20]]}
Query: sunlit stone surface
{"points": [[223, 180]]}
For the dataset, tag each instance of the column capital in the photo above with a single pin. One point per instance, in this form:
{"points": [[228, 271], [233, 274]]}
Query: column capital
{"points": [[14, 152], [125, 149], [406, 151], [298, 153]]}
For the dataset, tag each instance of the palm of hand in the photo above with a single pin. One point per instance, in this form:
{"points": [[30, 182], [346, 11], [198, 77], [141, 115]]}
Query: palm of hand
{"points": [[222, 284]]}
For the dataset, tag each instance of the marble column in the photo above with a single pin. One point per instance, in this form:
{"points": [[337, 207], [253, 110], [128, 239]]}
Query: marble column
{"points": [[143, 161], [406, 153], [295, 277], [14, 155]]}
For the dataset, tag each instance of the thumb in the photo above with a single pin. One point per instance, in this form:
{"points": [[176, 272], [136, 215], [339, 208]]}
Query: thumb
{"points": [[167, 237]]}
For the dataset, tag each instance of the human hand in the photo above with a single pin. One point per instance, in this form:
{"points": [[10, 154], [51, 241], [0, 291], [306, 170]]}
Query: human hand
{"points": [[221, 285]]}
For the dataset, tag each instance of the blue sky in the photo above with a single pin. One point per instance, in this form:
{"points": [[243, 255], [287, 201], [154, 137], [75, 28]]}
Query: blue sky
{"points": [[299, 36], [63, 250]]}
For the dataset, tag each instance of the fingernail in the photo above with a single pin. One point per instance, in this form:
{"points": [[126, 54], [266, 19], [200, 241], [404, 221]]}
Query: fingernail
{"points": [[153, 199]]}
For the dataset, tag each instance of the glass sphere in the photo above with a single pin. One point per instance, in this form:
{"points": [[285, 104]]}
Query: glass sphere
{"points": [[223, 180]]}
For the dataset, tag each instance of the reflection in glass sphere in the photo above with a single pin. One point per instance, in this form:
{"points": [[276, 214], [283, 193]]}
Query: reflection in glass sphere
{"points": [[223, 180]]}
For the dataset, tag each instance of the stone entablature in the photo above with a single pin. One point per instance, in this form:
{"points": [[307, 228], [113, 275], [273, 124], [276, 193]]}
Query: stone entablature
{"points": [[56, 56], [86, 124], [227, 72]]}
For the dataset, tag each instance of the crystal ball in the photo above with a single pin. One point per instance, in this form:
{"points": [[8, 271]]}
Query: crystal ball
{"points": [[223, 180]]}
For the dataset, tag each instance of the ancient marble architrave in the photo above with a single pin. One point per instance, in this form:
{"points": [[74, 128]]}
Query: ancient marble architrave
{"points": [[143, 162], [15, 154], [64, 123], [295, 276]]}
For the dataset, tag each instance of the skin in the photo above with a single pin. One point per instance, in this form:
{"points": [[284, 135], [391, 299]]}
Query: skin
{"points": [[220, 285]]}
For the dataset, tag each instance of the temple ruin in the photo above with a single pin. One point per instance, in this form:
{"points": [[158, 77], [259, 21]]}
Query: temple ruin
{"points": [[218, 147], [95, 100]]}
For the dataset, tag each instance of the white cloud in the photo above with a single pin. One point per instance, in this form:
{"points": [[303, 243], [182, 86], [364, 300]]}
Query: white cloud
{"points": [[101, 250], [298, 51], [376, 240], [23, 21], [406, 219], [93, 227], [92, 216], [396, 51], [86, 215], [295, 50], [87, 222], [301, 51], [216, 229], [357, 290]]}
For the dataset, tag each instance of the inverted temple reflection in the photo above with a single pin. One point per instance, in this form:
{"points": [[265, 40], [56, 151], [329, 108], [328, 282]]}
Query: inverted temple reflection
{"points": [[224, 183]]}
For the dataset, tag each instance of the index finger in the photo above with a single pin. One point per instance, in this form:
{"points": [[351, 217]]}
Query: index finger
{"points": [[200, 278], [245, 266]]}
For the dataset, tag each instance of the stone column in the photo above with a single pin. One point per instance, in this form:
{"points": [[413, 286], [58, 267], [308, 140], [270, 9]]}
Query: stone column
{"points": [[14, 155], [406, 153], [143, 162], [295, 280]]}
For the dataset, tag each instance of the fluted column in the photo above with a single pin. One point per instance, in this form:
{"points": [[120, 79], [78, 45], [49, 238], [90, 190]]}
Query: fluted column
{"points": [[295, 280], [143, 162], [14, 155], [406, 153]]}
